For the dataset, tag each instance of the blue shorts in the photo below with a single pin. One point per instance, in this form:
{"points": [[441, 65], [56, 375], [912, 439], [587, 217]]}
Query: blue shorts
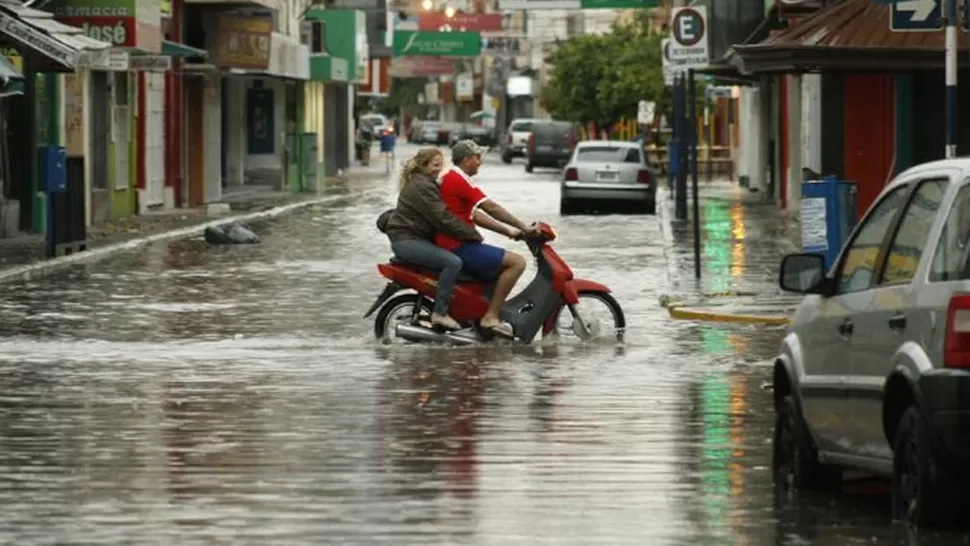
{"points": [[481, 260]]}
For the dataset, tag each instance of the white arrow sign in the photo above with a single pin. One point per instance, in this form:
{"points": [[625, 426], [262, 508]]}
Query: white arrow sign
{"points": [[921, 9]]}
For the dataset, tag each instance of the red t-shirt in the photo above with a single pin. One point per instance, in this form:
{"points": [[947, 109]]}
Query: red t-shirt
{"points": [[461, 197]]}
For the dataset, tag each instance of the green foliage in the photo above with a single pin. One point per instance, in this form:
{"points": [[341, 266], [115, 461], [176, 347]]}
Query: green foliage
{"points": [[404, 94], [601, 78]]}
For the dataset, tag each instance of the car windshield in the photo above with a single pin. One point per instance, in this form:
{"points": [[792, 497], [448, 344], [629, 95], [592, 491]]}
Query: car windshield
{"points": [[607, 154], [373, 120], [521, 127]]}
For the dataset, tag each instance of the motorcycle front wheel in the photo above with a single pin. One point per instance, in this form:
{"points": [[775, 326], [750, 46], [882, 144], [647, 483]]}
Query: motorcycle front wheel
{"points": [[397, 310], [600, 311]]}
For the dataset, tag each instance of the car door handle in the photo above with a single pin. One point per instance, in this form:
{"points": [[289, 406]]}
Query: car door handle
{"points": [[897, 322], [846, 327]]}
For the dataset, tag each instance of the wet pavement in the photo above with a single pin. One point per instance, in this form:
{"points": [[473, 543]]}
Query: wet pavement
{"points": [[183, 394], [28, 249]]}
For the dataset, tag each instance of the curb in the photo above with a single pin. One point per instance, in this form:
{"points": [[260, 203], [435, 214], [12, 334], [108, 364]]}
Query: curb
{"points": [[681, 313], [53, 265]]}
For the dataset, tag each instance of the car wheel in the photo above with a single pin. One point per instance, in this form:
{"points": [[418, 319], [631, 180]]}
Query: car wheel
{"points": [[528, 167], [506, 158], [794, 460], [566, 207], [924, 492]]}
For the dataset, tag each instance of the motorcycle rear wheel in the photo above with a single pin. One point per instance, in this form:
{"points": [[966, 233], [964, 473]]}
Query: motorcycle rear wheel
{"points": [[391, 312], [602, 299]]}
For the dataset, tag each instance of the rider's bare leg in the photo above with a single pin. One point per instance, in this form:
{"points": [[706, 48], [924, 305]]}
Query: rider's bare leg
{"points": [[513, 265]]}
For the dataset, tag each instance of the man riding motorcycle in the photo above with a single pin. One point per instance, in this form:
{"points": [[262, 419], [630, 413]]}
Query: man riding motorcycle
{"points": [[471, 205]]}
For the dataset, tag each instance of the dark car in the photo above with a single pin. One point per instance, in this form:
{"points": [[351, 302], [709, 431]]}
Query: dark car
{"points": [[550, 144], [445, 130], [483, 136]]}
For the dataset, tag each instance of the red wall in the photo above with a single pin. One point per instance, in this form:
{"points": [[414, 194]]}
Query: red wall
{"points": [[870, 133], [174, 110]]}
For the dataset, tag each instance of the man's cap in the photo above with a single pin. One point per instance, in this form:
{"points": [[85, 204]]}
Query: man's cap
{"points": [[464, 149]]}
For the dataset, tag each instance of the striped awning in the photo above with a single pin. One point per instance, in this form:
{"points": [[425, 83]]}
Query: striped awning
{"points": [[11, 81], [176, 49], [38, 31]]}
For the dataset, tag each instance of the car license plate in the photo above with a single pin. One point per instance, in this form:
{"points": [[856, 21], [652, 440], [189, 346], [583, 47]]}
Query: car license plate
{"points": [[606, 176]]}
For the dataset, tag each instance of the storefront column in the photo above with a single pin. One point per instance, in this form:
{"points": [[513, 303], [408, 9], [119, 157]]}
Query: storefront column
{"points": [[794, 141], [235, 133]]}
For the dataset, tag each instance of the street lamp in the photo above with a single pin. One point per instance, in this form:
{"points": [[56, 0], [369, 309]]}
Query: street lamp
{"points": [[427, 5], [449, 12]]}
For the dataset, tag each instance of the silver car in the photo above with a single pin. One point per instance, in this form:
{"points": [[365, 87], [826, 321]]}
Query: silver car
{"points": [[874, 373], [608, 172]]}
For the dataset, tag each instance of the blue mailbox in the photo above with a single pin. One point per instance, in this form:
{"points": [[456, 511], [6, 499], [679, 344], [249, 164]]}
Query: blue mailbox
{"points": [[53, 169], [828, 213]]}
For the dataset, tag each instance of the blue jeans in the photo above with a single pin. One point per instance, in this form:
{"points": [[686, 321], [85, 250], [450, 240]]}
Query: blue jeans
{"points": [[430, 255]]}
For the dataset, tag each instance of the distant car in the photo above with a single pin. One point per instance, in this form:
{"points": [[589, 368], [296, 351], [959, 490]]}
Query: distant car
{"points": [[516, 139], [483, 136], [414, 130], [608, 172], [550, 144], [445, 130], [428, 134], [378, 122], [457, 133]]}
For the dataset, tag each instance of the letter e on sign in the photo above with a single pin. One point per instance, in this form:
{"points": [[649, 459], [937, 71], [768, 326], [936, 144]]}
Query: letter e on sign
{"points": [[689, 43]]}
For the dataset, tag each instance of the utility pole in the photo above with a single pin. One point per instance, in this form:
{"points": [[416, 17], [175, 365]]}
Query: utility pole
{"points": [[950, 20]]}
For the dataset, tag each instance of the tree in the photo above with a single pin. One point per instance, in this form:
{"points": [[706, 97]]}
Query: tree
{"points": [[572, 80], [404, 94], [601, 78]]}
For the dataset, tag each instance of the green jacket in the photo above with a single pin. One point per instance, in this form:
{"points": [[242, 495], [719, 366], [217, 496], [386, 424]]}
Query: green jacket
{"points": [[421, 213]]}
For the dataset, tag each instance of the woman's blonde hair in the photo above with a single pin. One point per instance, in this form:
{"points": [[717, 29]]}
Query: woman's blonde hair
{"points": [[418, 164]]}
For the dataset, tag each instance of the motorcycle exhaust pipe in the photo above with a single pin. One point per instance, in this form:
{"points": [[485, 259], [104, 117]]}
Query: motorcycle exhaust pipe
{"points": [[411, 332]]}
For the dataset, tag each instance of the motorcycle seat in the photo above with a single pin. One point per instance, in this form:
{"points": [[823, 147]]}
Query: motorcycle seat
{"points": [[463, 277]]}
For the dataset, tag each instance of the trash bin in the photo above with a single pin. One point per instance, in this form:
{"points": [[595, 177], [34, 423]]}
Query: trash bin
{"points": [[828, 216]]}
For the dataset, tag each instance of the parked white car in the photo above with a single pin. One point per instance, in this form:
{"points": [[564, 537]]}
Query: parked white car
{"points": [[607, 172], [516, 139], [874, 373]]}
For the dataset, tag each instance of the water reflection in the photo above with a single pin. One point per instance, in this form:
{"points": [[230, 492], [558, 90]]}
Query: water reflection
{"points": [[182, 394]]}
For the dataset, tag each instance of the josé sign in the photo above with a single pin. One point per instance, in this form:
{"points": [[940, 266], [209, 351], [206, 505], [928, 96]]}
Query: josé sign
{"points": [[117, 31]]}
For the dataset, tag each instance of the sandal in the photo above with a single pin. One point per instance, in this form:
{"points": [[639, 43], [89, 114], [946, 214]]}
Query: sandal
{"points": [[502, 329]]}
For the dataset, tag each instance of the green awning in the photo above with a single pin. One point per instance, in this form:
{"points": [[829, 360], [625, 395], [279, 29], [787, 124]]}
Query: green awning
{"points": [[11, 81], [175, 49]]}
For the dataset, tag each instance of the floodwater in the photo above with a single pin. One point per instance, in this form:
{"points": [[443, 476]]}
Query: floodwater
{"points": [[183, 394]]}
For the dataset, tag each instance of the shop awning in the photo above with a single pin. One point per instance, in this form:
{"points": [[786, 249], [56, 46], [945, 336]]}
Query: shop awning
{"points": [[175, 49], [849, 36], [38, 31], [11, 81]]}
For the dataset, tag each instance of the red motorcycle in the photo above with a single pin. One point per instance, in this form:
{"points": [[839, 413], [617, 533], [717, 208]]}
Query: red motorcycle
{"points": [[538, 307]]}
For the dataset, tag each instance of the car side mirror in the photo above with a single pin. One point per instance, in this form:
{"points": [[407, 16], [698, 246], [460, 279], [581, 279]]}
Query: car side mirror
{"points": [[804, 274]]}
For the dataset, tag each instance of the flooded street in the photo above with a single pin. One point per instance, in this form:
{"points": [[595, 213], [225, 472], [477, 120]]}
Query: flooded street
{"points": [[193, 395]]}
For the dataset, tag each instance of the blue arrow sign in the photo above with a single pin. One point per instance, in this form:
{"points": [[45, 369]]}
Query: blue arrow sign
{"points": [[914, 15]]}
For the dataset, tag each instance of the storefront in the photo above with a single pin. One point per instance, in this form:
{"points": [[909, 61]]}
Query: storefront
{"points": [[33, 120], [338, 40]]}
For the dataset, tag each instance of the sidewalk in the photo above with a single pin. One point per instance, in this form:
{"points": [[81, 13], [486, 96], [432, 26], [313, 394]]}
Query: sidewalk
{"points": [[29, 249], [743, 238]]}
